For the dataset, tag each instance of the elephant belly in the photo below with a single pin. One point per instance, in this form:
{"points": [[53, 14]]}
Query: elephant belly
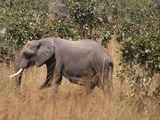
{"points": [[80, 78], [79, 74], [74, 79]]}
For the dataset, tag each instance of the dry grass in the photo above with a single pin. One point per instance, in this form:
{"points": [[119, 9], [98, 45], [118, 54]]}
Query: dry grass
{"points": [[32, 104]]}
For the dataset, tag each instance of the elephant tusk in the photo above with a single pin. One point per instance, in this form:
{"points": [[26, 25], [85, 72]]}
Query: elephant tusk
{"points": [[17, 73]]}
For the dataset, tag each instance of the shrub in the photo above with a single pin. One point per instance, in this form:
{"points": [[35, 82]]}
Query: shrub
{"points": [[22, 21]]}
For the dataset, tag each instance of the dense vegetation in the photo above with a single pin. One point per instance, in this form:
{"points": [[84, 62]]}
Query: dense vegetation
{"points": [[135, 23]]}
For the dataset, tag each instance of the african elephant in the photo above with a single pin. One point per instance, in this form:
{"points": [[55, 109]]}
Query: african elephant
{"points": [[83, 62]]}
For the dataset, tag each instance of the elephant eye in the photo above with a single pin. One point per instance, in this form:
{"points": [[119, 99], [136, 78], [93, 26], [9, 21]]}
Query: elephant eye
{"points": [[27, 55]]}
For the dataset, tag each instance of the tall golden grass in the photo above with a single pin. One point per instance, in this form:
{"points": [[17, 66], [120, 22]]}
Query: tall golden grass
{"points": [[32, 104]]}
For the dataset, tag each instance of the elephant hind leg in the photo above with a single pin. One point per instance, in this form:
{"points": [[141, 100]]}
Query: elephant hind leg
{"points": [[104, 82], [91, 85], [106, 86], [94, 83], [87, 91]]}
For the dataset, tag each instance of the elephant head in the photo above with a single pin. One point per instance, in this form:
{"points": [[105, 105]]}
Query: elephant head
{"points": [[35, 52]]}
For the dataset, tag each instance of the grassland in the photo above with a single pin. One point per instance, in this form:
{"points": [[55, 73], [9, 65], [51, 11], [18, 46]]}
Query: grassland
{"points": [[32, 104]]}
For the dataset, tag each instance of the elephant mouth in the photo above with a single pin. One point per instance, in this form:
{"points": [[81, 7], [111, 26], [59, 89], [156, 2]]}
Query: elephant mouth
{"points": [[30, 64]]}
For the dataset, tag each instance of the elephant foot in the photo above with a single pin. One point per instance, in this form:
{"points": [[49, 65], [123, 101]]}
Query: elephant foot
{"points": [[45, 86]]}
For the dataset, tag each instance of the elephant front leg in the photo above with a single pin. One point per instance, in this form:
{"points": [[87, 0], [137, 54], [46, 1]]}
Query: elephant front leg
{"points": [[56, 82], [47, 82], [49, 78], [54, 76]]}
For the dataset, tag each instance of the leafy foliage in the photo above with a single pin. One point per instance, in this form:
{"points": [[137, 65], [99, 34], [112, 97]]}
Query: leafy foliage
{"points": [[84, 15], [62, 28], [138, 32], [143, 51], [22, 21], [81, 19]]}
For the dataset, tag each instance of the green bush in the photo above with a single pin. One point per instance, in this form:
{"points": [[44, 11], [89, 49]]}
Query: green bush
{"points": [[22, 21], [143, 51], [63, 29], [84, 15], [138, 31]]}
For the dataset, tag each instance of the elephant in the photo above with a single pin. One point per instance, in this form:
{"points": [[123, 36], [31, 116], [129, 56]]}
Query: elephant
{"points": [[84, 62]]}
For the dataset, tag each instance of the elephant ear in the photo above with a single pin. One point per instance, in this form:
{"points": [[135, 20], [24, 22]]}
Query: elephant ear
{"points": [[45, 52]]}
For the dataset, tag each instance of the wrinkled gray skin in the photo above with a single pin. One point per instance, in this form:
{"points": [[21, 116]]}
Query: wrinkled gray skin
{"points": [[83, 62]]}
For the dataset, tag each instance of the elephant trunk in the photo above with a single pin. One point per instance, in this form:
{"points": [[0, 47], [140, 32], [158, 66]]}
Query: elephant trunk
{"points": [[20, 66], [112, 68]]}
